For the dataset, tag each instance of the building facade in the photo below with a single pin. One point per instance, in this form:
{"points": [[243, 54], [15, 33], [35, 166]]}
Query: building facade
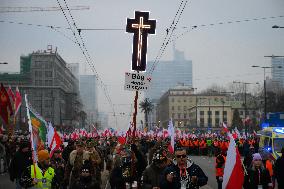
{"points": [[51, 88], [169, 74], [88, 92], [277, 71], [188, 110]]}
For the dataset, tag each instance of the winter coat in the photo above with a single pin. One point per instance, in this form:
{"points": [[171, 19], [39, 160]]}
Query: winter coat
{"points": [[19, 163], [82, 183], [191, 170], [151, 177], [278, 170], [252, 179]]}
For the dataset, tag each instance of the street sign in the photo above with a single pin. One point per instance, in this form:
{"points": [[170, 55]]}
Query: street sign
{"points": [[136, 81], [141, 26]]}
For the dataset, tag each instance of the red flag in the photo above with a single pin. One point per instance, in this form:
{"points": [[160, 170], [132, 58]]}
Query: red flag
{"points": [[4, 105], [233, 172], [18, 100], [11, 94]]}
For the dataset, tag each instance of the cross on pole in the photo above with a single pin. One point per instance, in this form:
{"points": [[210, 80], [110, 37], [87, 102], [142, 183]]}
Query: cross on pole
{"points": [[141, 26]]}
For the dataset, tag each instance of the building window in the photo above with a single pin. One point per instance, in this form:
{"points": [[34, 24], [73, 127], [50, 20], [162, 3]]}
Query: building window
{"points": [[209, 113], [225, 113], [202, 113], [173, 100], [217, 113], [184, 100], [201, 122], [184, 108], [173, 115], [178, 116], [241, 112], [48, 73], [173, 108], [184, 116], [178, 107], [217, 121]]}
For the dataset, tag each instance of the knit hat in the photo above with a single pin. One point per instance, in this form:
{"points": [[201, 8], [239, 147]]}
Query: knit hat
{"points": [[43, 155], [256, 156]]}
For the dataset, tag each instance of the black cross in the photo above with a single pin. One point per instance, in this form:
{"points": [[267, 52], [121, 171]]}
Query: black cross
{"points": [[141, 26]]}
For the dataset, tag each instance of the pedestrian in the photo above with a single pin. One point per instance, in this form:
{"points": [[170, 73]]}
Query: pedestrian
{"points": [[39, 175], [219, 167], [21, 160], [257, 176], [189, 174], [151, 175], [58, 164], [76, 160], [279, 170], [85, 180]]}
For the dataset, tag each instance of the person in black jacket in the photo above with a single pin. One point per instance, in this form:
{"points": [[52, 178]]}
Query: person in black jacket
{"points": [[188, 174], [85, 180], [258, 176], [278, 170], [21, 160]]}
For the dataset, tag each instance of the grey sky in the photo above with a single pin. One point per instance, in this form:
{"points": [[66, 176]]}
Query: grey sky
{"points": [[220, 53]]}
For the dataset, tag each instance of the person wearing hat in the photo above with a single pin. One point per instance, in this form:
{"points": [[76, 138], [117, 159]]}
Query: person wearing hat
{"points": [[278, 170], [21, 160], [39, 175], [58, 164], [151, 175], [96, 161], [76, 160], [257, 176]]}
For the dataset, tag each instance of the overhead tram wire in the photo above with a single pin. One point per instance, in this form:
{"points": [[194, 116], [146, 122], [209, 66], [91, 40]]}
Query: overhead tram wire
{"points": [[194, 27], [167, 39], [86, 53]]}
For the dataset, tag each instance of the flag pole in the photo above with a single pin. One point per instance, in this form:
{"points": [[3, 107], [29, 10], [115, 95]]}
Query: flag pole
{"points": [[31, 134]]}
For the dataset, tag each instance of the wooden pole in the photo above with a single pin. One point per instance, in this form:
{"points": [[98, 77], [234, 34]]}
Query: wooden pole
{"points": [[135, 114]]}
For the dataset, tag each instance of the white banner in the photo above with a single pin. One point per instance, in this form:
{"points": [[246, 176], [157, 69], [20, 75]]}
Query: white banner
{"points": [[136, 81]]}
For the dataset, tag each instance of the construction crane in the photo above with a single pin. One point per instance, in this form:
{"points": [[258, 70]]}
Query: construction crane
{"points": [[35, 9]]}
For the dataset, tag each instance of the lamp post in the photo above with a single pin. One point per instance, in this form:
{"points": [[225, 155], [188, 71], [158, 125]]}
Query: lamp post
{"points": [[245, 100], [3, 62], [264, 85]]}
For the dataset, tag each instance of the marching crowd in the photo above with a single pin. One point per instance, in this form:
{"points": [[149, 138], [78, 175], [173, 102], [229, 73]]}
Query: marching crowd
{"points": [[140, 163]]}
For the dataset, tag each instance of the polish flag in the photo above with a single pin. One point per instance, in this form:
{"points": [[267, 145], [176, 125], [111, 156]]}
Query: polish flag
{"points": [[18, 100], [225, 128], [171, 131], [53, 139], [233, 173]]}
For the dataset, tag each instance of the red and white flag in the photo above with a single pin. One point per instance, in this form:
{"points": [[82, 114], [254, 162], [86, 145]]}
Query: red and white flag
{"points": [[53, 139], [225, 128], [171, 132], [18, 100], [233, 173]]}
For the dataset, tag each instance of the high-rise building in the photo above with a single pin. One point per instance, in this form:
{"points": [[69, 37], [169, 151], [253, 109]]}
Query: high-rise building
{"points": [[88, 93], [53, 91], [277, 72], [169, 74]]}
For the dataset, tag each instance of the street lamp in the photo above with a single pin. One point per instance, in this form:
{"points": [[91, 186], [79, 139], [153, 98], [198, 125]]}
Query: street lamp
{"points": [[245, 101], [275, 26], [3, 62], [264, 84]]}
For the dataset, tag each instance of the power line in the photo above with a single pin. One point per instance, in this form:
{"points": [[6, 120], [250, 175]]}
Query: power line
{"points": [[169, 34], [85, 52], [190, 28]]}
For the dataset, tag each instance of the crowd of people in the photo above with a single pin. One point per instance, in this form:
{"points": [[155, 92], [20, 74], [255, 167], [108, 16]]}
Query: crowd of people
{"points": [[138, 163]]}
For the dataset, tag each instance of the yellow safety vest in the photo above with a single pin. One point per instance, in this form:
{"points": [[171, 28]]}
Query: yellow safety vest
{"points": [[42, 181]]}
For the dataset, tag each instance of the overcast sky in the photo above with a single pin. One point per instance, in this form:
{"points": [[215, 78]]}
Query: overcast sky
{"points": [[220, 53]]}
